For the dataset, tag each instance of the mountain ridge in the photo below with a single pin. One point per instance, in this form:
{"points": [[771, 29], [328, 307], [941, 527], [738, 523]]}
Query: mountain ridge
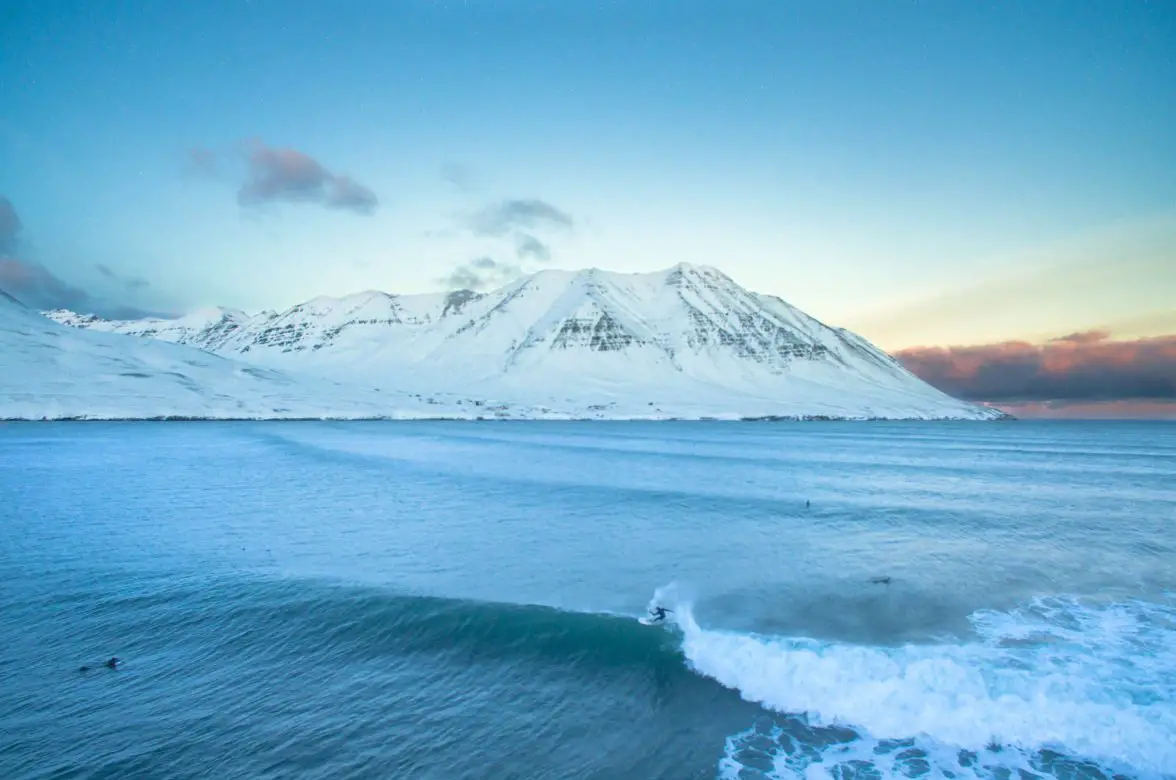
{"points": [[50, 371], [685, 336]]}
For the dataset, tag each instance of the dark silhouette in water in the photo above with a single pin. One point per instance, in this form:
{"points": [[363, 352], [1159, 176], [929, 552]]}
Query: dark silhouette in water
{"points": [[880, 580], [659, 613], [111, 664], [807, 504]]}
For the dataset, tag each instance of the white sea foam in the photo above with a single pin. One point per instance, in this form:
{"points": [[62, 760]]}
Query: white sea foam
{"points": [[772, 752], [1094, 683]]}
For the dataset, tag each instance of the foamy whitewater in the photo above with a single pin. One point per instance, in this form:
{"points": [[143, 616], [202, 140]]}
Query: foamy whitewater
{"points": [[1095, 682], [407, 599]]}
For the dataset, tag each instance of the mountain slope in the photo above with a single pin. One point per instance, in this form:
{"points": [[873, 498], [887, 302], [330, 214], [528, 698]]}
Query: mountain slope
{"points": [[687, 341], [48, 371], [204, 326]]}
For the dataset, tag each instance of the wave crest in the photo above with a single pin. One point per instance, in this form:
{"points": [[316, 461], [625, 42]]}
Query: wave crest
{"points": [[1094, 682]]}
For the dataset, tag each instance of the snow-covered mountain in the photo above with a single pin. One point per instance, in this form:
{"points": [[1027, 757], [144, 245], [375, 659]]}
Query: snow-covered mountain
{"points": [[48, 371], [684, 342], [203, 325]]}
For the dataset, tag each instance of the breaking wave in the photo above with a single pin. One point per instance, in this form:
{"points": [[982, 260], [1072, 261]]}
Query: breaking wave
{"points": [[1060, 686]]}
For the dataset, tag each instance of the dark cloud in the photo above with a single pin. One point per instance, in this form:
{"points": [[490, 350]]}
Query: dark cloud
{"points": [[130, 282], [9, 226], [505, 216], [1081, 367], [345, 193], [282, 174], [480, 274], [531, 248], [35, 286], [1085, 337], [1096, 410], [287, 175], [39, 288]]}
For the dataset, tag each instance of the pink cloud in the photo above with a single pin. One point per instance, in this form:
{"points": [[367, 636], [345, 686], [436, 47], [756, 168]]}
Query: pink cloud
{"points": [[1082, 367], [276, 174], [1106, 410]]}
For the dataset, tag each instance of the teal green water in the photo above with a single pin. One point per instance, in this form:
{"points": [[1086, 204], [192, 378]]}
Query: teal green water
{"points": [[451, 600]]}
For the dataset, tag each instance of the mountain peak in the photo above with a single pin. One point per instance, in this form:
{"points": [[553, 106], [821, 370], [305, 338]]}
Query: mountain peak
{"points": [[351, 299], [696, 267], [672, 337], [212, 314]]}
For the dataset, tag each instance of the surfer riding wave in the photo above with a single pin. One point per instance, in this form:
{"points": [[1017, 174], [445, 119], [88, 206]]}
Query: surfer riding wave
{"points": [[668, 606], [658, 614]]}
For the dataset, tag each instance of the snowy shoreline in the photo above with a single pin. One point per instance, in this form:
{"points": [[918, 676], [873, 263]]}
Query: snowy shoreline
{"points": [[772, 419]]}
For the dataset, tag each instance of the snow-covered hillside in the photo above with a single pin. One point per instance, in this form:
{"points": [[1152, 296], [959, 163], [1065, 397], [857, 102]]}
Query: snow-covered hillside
{"points": [[205, 325], [684, 342], [48, 371]]}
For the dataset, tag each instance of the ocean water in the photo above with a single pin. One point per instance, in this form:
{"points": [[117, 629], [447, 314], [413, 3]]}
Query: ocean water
{"points": [[458, 600]]}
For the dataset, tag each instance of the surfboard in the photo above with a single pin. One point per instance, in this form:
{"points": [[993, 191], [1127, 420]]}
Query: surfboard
{"points": [[647, 621]]}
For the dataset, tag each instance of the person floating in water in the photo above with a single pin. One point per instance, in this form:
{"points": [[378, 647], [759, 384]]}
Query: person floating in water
{"points": [[659, 613], [111, 664]]}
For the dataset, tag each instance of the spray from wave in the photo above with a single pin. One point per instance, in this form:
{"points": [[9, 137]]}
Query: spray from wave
{"points": [[1056, 687]]}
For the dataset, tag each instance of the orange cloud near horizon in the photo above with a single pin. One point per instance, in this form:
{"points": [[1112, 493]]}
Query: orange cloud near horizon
{"points": [[1105, 410], [1082, 374]]}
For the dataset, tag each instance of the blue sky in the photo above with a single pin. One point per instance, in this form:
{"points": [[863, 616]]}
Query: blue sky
{"points": [[926, 173]]}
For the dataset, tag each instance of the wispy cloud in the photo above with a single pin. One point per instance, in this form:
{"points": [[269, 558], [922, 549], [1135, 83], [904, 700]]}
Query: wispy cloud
{"points": [[37, 287], [499, 219], [481, 274], [459, 175], [530, 248], [130, 282], [508, 225], [274, 175], [202, 160], [1081, 367], [344, 192]]}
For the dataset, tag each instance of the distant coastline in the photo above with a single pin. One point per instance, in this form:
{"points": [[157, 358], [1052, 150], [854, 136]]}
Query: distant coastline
{"points": [[387, 418]]}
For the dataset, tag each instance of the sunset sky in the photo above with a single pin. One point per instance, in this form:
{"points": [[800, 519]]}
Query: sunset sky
{"points": [[988, 190]]}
